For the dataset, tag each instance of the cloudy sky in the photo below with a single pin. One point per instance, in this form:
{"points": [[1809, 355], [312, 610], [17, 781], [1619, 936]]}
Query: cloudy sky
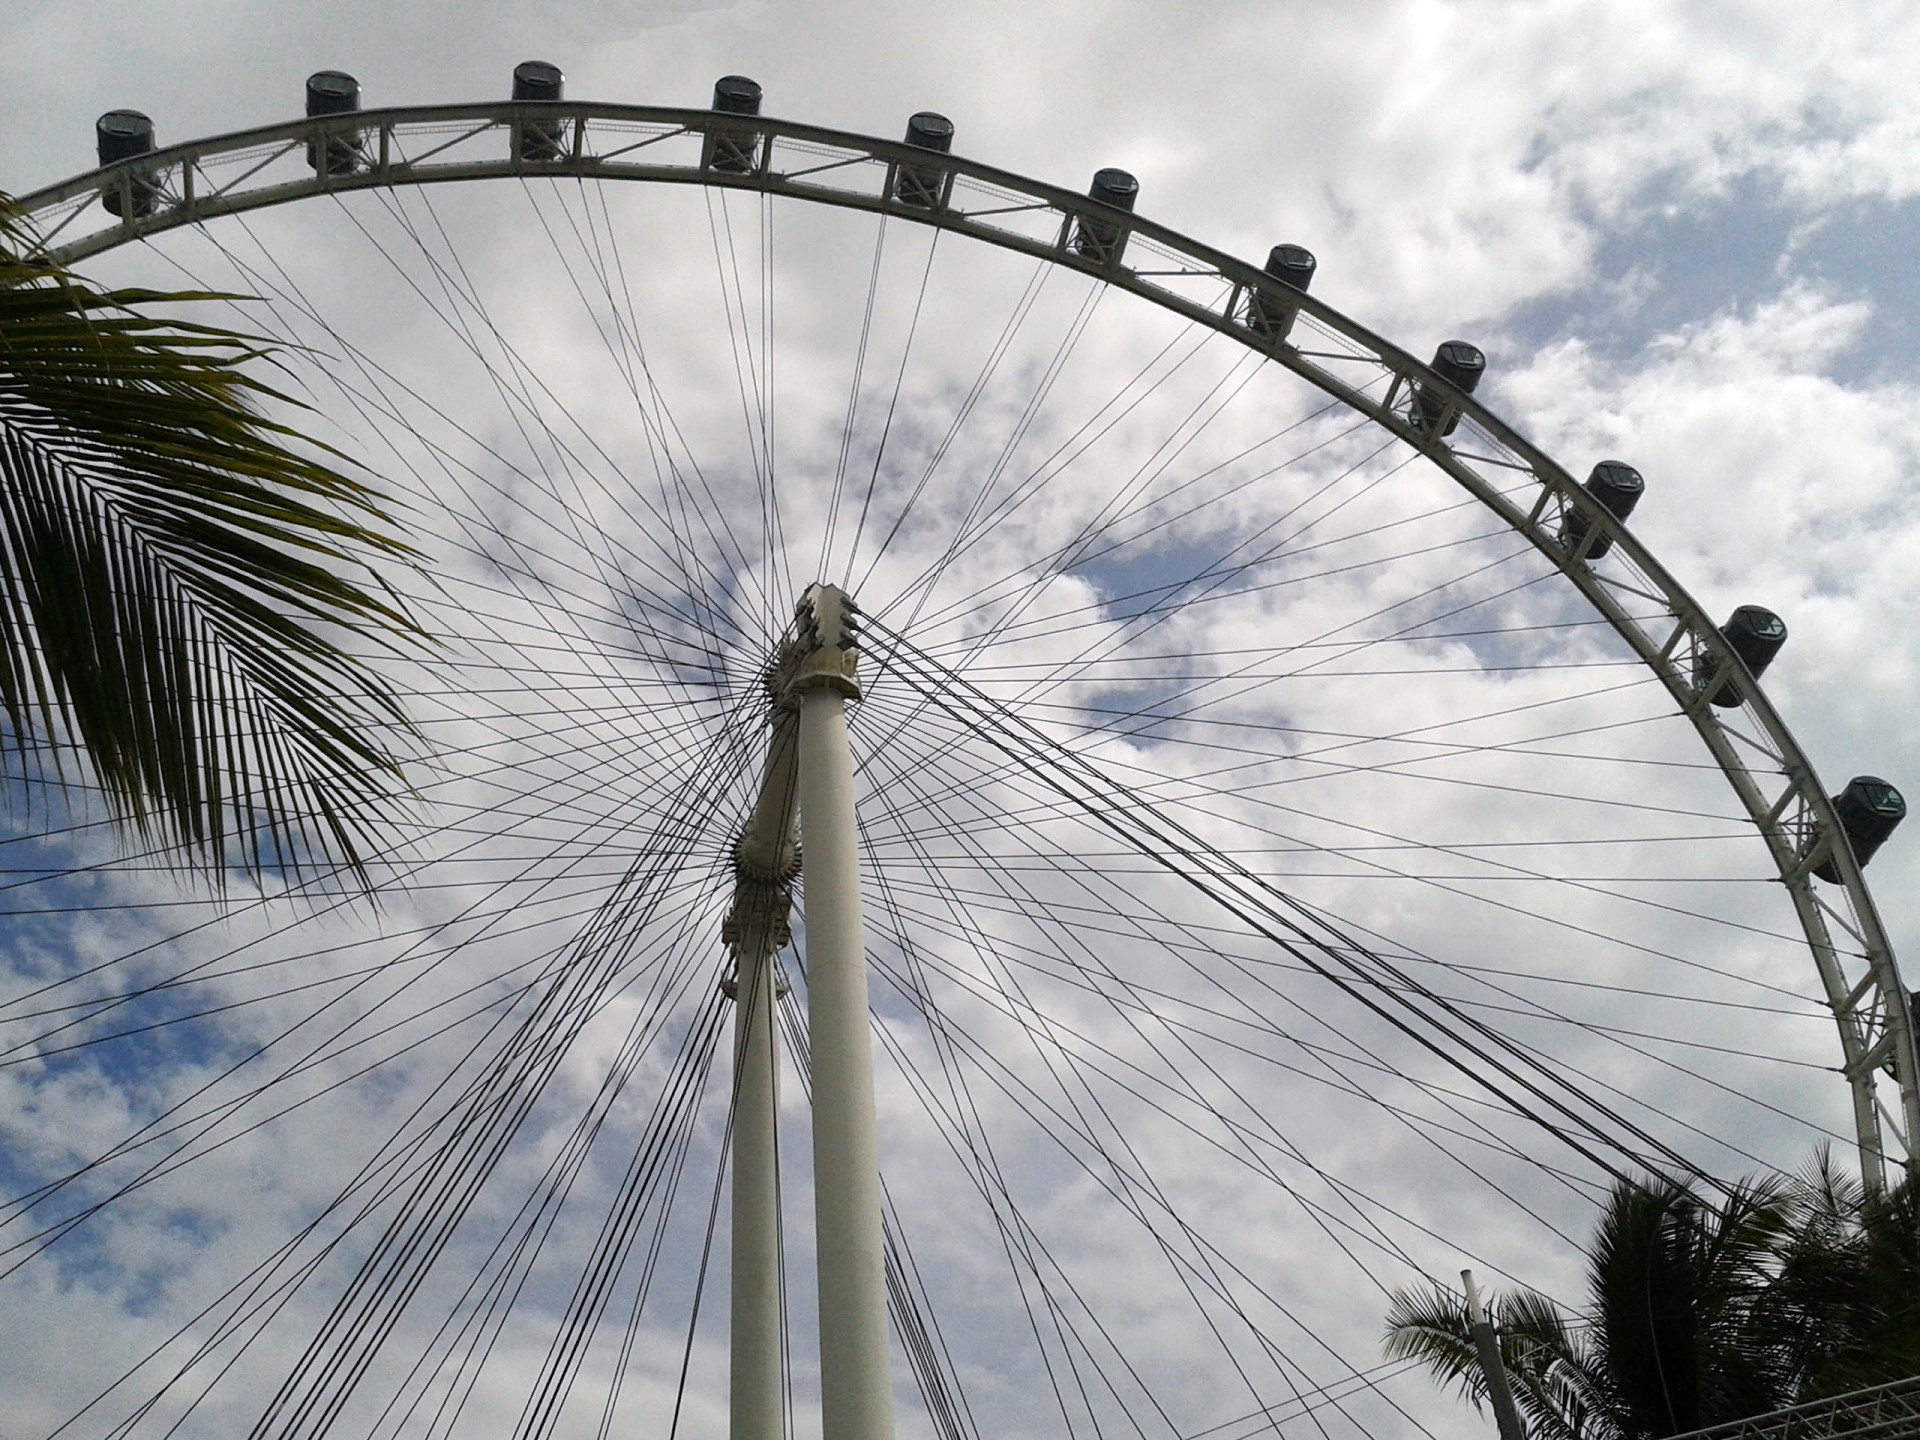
{"points": [[1155, 1175]]}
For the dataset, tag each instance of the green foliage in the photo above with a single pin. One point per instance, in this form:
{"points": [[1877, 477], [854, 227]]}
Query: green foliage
{"points": [[1845, 1304], [174, 569], [1675, 1282], [1700, 1310], [1550, 1366]]}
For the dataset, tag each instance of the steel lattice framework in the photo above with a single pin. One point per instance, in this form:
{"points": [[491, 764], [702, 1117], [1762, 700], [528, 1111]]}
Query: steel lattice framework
{"points": [[1886, 1412], [203, 179]]}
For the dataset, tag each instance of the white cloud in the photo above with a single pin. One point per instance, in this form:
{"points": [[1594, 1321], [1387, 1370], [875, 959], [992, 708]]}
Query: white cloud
{"points": [[1452, 164]]}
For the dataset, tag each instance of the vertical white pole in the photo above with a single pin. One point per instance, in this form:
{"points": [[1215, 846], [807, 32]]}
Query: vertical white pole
{"points": [[765, 860], [1505, 1413], [856, 1398], [754, 1391]]}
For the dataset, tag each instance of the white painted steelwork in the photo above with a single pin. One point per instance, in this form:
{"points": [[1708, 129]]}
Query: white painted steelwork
{"points": [[756, 930], [755, 1393], [1885, 1412], [757, 926], [856, 1397], [1491, 460]]}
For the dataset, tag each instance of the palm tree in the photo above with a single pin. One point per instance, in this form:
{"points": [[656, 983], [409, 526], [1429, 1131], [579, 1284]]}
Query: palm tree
{"points": [[1549, 1361], [1674, 1337], [178, 575], [1845, 1302]]}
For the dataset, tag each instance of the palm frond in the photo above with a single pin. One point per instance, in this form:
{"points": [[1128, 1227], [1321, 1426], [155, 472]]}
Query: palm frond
{"points": [[178, 582], [1547, 1370]]}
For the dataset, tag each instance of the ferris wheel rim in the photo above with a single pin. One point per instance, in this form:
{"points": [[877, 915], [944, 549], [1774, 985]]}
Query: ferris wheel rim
{"points": [[1796, 816]]}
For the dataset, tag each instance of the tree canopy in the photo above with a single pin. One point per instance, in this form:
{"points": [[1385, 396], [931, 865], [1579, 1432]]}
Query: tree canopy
{"points": [[1700, 1309]]}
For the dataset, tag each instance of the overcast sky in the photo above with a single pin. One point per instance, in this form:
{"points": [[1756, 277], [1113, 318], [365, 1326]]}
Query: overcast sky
{"points": [[1682, 231]]}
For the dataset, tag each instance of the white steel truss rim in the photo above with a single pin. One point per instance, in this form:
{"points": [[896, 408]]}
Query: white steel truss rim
{"points": [[1874, 1012]]}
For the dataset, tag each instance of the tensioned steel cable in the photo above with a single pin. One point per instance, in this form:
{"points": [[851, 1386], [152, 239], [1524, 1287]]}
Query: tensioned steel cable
{"points": [[660, 1146], [1149, 783], [1124, 1180], [923, 587], [94, 1008], [963, 412], [1043, 1025], [1014, 816], [987, 1172], [655, 423], [316, 1388], [521, 1241], [335, 905], [288, 290], [1164, 848], [830, 524], [1663, 1059], [1279, 917], [1063, 559], [886, 425], [1642, 902], [1024, 584], [1091, 972], [525, 379], [909, 1306], [766, 354], [269, 1285]]}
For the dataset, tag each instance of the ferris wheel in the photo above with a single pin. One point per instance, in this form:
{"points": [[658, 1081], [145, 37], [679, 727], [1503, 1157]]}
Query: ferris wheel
{"points": [[1304, 836]]}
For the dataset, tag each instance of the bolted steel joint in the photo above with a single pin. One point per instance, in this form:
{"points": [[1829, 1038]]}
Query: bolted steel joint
{"points": [[759, 920], [826, 670], [829, 634]]}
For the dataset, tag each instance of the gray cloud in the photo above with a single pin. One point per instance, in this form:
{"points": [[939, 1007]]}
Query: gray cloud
{"points": [[1461, 168]]}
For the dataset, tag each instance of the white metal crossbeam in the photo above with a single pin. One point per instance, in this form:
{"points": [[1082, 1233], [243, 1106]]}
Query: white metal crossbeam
{"points": [[1885, 1412]]}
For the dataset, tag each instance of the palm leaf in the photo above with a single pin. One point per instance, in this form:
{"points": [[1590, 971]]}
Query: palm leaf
{"points": [[1678, 1283], [178, 580], [1547, 1369]]}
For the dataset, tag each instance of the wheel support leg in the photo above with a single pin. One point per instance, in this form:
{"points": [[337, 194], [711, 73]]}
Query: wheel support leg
{"points": [[754, 1381], [856, 1397]]}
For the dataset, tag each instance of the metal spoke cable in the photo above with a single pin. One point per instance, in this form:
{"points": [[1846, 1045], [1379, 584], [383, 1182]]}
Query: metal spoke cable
{"points": [[886, 426], [315, 1389], [1296, 931], [1130, 1182]]}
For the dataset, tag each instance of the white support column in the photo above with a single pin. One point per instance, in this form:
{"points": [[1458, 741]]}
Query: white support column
{"points": [[856, 1394], [755, 1399], [765, 862]]}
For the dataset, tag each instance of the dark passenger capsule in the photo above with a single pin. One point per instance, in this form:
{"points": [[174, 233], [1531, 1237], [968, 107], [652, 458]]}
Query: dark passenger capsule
{"points": [[1756, 635], [1096, 236], [1272, 315], [919, 185], [541, 141], [121, 135], [1870, 810], [334, 92], [1616, 487], [1457, 362], [733, 152]]}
